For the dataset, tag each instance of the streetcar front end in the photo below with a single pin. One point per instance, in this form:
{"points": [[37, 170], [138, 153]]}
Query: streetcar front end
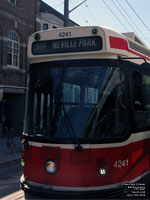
{"points": [[78, 140]]}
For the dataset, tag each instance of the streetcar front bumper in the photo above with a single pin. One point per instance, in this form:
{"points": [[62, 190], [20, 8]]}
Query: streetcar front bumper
{"points": [[47, 192]]}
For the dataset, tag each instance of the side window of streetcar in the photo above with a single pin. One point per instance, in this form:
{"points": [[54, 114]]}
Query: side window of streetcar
{"points": [[141, 92]]}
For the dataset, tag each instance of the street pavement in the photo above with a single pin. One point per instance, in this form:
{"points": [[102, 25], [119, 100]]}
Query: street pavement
{"points": [[10, 171], [6, 155], [10, 182]]}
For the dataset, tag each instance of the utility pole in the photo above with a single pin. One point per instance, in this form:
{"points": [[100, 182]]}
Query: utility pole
{"points": [[66, 11]]}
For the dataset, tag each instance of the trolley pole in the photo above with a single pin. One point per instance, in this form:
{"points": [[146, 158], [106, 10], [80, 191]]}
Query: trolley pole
{"points": [[66, 13]]}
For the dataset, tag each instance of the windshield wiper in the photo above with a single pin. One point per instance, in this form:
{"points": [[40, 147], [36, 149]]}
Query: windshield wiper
{"points": [[58, 103], [78, 146]]}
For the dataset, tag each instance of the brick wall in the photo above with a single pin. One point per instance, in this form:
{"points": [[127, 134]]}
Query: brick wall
{"points": [[21, 19]]}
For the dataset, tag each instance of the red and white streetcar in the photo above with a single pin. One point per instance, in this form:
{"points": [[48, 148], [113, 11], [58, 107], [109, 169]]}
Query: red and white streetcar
{"points": [[87, 119]]}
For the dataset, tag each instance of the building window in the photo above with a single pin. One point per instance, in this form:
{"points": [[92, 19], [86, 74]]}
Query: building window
{"points": [[45, 26], [54, 27], [13, 49], [12, 1]]}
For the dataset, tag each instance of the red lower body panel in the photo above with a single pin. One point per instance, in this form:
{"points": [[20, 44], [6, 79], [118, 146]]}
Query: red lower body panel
{"points": [[80, 168]]}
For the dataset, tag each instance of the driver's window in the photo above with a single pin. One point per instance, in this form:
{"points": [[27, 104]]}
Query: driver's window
{"points": [[141, 93]]}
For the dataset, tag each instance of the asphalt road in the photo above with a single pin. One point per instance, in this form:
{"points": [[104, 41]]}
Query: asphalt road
{"points": [[10, 182]]}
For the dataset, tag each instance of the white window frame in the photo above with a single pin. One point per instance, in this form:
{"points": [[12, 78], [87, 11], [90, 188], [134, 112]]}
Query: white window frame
{"points": [[13, 50]]}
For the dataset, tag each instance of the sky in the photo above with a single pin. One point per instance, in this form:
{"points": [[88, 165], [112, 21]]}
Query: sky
{"points": [[120, 15]]}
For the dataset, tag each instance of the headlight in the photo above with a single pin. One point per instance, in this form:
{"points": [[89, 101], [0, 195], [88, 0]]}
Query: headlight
{"points": [[51, 167], [102, 171], [102, 167]]}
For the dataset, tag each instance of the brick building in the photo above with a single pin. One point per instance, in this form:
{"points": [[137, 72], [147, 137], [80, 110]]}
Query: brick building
{"points": [[18, 20]]}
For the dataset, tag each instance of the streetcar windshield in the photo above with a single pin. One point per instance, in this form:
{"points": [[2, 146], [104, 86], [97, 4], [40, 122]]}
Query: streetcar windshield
{"points": [[74, 101]]}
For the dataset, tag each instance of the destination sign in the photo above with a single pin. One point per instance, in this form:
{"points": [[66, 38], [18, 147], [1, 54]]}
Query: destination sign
{"points": [[81, 44]]}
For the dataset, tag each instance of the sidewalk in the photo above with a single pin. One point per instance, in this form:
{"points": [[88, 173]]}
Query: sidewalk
{"points": [[6, 156]]}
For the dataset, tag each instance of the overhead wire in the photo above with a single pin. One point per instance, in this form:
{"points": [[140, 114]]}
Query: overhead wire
{"points": [[129, 18], [91, 13], [111, 10], [123, 15], [115, 15], [81, 14], [144, 37], [59, 4], [137, 15]]}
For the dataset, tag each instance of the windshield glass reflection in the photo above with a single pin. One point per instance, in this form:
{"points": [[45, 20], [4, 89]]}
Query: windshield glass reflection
{"points": [[76, 102]]}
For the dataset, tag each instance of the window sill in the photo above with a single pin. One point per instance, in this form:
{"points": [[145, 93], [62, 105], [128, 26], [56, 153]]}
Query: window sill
{"points": [[14, 69]]}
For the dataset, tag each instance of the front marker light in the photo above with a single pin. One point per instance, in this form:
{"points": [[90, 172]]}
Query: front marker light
{"points": [[94, 31], [102, 171], [51, 167]]}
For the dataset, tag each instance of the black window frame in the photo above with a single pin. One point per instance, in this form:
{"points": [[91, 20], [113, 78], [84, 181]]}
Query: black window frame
{"points": [[138, 105], [124, 66]]}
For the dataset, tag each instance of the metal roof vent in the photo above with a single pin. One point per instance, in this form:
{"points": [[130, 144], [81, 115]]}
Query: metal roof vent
{"points": [[134, 37], [139, 48]]}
